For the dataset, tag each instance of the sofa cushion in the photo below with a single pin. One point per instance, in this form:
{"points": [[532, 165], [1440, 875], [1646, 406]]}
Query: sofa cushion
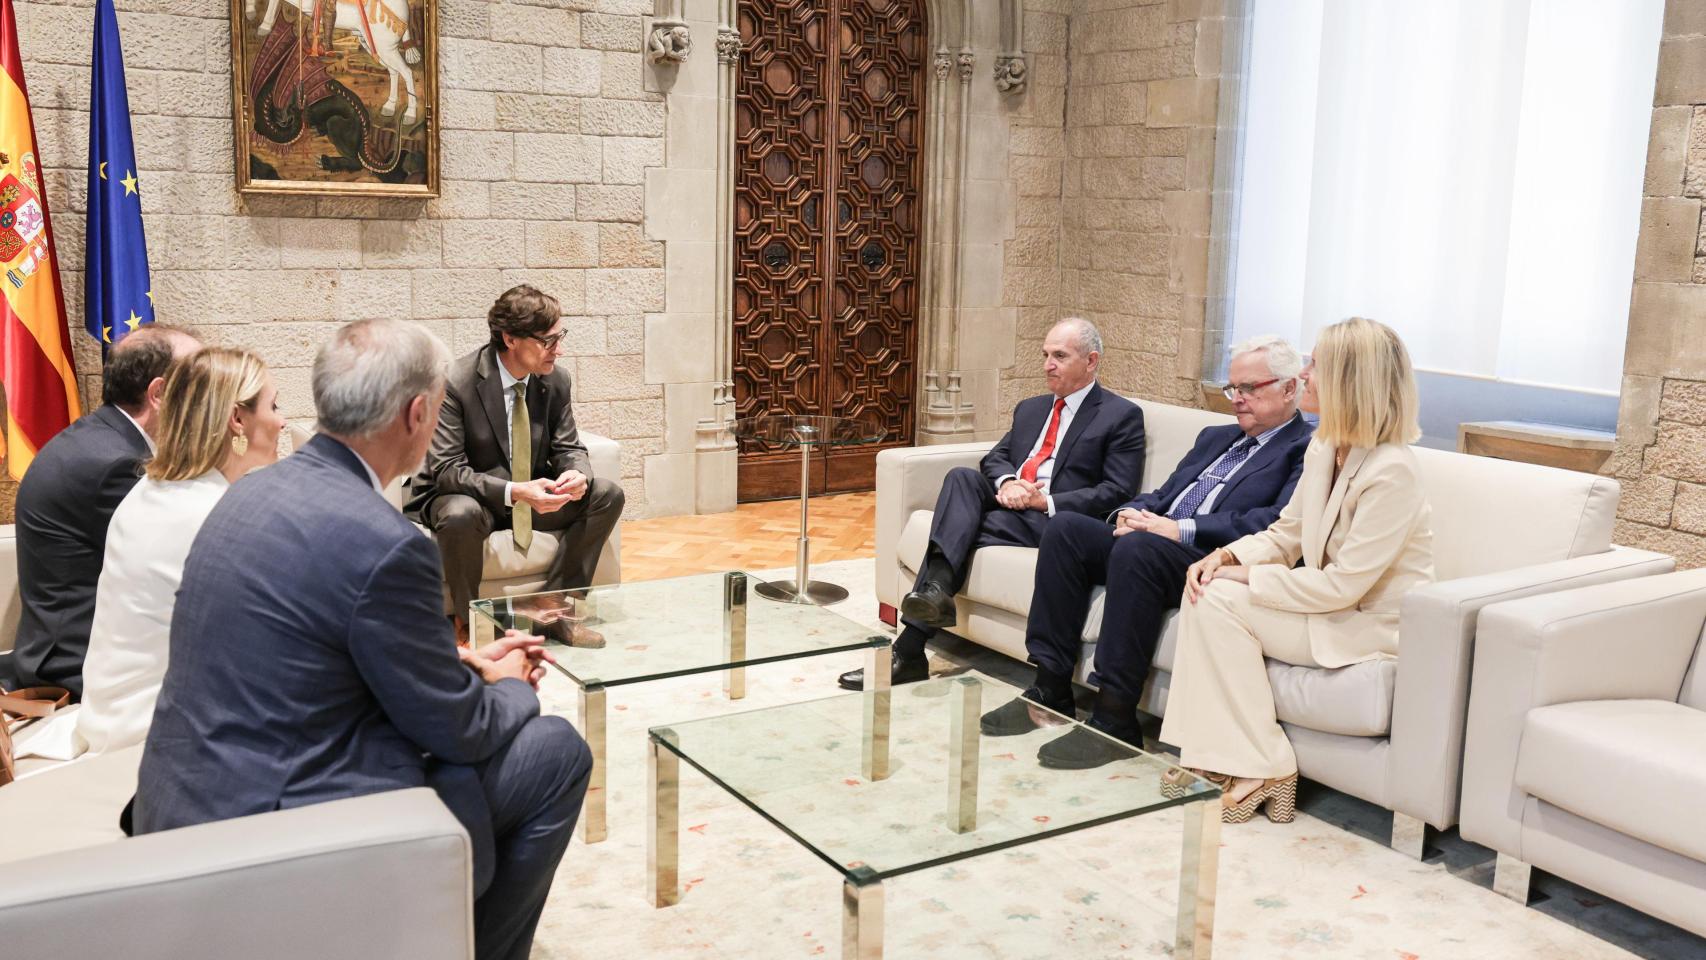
{"points": [[1635, 766], [1353, 701], [68, 806], [504, 562]]}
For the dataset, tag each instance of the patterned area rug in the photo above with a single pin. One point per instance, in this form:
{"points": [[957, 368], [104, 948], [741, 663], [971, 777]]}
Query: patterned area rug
{"points": [[1305, 889]]}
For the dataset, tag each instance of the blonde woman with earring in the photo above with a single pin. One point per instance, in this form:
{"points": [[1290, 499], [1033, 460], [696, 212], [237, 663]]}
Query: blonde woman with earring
{"points": [[1359, 522], [219, 419]]}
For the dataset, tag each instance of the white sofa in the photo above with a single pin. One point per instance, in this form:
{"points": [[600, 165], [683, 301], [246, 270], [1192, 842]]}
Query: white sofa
{"points": [[1389, 732], [1587, 743]]}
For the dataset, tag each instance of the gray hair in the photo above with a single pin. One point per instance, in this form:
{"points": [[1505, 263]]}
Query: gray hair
{"points": [[1089, 338], [1283, 359], [369, 370]]}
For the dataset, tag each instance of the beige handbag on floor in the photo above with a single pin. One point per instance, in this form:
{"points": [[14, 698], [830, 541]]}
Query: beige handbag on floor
{"points": [[19, 709]]}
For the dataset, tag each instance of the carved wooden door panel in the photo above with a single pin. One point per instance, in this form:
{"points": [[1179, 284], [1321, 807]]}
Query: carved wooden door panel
{"points": [[829, 133]]}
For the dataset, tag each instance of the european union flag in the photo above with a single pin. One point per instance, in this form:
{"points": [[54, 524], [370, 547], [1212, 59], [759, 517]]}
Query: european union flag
{"points": [[117, 297]]}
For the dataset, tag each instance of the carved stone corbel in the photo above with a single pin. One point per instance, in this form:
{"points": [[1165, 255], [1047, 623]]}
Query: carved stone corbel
{"points": [[670, 42], [728, 45], [968, 64], [1010, 69]]}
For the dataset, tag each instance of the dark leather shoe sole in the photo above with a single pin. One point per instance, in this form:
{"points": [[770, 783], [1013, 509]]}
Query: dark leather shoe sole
{"points": [[1081, 749], [921, 609]]}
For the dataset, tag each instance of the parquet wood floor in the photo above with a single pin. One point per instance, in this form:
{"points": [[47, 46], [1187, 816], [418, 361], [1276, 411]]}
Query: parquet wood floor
{"points": [[756, 536]]}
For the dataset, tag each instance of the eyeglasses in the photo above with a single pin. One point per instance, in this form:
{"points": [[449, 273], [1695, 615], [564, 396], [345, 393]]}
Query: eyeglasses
{"points": [[1232, 390], [548, 342]]}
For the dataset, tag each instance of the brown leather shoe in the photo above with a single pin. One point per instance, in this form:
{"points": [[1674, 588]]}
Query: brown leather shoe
{"points": [[581, 635]]}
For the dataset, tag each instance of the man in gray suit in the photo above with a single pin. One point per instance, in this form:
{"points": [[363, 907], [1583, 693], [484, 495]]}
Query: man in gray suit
{"points": [[497, 464], [311, 661], [66, 500]]}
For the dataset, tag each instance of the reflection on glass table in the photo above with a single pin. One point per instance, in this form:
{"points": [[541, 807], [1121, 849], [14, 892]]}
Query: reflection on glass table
{"points": [[891, 781], [805, 432], [654, 629]]}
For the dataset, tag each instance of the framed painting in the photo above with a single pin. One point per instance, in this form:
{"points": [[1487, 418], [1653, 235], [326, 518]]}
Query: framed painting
{"points": [[336, 96]]}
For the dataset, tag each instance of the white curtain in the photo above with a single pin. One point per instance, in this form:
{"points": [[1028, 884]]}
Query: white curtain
{"points": [[1467, 171]]}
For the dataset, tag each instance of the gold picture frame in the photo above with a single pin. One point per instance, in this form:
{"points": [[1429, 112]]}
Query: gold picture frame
{"points": [[310, 98]]}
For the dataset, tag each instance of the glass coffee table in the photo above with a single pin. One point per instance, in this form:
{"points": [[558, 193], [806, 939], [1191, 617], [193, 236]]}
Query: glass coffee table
{"points": [[891, 781], [655, 629]]}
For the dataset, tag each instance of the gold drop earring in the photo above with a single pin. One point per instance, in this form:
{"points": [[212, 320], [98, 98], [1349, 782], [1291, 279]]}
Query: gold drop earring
{"points": [[240, 443]]}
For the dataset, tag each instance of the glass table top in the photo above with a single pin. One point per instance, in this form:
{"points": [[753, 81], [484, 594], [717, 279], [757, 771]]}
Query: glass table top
{"points": [[667, 628], [794, 430], [800, 767]]}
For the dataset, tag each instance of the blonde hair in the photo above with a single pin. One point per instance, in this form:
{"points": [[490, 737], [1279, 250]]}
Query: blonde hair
{"points": [[200, 393], [1366, 386]]}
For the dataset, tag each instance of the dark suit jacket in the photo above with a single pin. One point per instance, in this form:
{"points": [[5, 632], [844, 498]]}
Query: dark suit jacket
{"points": [[310, 656], [470, 450], [1255, 495], [1097, 465], [64, 504]]}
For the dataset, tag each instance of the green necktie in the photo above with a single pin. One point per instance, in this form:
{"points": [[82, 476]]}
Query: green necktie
{"points": [[521, 467]]}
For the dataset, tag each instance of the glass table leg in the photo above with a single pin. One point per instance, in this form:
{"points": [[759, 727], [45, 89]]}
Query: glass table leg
{"points": [[877, 695], [663, 841], [734, 634], [861, 920], [1198, 870], [593, 826], [963, 755]]}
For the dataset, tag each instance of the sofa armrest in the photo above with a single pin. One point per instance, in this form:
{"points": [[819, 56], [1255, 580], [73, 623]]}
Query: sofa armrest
{"points": [[11, 603], [605, 454], [385, 875], [1617, 641], [908, 480], [1437, 628]]}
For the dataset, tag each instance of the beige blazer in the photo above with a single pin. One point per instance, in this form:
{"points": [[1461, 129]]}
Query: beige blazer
{"points": [[1365, 540]]}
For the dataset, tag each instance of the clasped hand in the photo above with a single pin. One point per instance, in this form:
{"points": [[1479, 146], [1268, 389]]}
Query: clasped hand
{"points": [[1021, 494], [1212, 567], [515, 655], [1129, 520], [547, 495]]}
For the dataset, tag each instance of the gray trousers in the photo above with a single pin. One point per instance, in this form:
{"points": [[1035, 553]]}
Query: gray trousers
{"points": [[461, 525]]}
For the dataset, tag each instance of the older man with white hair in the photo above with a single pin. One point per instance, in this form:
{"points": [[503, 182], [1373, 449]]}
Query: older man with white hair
{"points": [[311, 660], [1077, 449], [1234, 482]]}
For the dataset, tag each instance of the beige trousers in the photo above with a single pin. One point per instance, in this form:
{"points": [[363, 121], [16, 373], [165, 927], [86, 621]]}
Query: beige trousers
{"points": [[1220, 708]]}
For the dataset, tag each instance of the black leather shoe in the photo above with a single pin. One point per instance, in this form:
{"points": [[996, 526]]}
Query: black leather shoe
{"points": [[901, 670], [1022, 714], [929, 605], [1081, 749]]}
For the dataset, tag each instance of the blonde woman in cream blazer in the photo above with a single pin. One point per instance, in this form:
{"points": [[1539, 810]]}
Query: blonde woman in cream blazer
{"points": [[219, 419], [1359, 522]]}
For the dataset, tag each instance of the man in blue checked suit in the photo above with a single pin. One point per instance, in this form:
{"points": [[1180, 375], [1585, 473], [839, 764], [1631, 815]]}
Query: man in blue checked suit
{"points": [[1234, 482], [311, 660]]}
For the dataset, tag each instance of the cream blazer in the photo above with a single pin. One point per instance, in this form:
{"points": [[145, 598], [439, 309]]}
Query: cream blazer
{"points": [[147, 541], [1365, 540]]}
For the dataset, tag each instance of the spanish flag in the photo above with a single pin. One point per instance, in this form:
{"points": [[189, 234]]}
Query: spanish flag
{"points": [[35, 347]]}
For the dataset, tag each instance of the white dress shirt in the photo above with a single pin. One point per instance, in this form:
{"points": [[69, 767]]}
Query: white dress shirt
{"points": [[145, 437], [147, 542], [509, 383], [1045, 470]]}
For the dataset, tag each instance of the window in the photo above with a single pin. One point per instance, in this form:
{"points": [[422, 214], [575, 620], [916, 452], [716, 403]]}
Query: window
{"points": [[1467, 172]]}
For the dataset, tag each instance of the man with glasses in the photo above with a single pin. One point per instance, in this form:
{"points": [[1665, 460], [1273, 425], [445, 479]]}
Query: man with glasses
{"points": [[506, 456], [1234, 482]]}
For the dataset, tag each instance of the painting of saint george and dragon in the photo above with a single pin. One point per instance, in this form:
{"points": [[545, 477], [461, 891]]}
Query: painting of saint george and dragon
{"points": [[336, 96]]}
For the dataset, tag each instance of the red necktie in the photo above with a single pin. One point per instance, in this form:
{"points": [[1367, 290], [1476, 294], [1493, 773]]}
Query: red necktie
{"points": [[1029, 470]]}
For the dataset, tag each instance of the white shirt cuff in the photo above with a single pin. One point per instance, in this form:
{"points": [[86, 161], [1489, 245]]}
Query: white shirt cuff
{"points": [[1188, 532], [1050, 501], [509, 495]]}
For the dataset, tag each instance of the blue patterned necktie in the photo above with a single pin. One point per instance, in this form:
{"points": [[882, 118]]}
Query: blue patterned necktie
{"points": [[1214, 476]]}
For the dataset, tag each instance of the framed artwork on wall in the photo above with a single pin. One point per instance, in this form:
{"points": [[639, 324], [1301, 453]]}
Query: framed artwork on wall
{"points": [[336, 96]]}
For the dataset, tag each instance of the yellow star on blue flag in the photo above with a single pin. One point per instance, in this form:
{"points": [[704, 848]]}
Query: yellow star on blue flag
{"points": [[118, 297]]}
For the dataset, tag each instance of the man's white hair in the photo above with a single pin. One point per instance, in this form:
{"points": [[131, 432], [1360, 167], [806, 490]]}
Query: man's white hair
{"points": [[1089, 338], [1283, 359], [369, 369]]}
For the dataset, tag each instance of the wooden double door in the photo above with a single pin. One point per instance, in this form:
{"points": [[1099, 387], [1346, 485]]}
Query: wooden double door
{"points": [[828, 156]]}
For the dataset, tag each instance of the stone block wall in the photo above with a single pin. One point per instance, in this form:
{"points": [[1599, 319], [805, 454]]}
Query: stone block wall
{"points": [[1661, 432], [1136, 190], [547, 129]]}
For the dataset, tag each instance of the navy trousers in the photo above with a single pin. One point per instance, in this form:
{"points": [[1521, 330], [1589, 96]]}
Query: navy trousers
{"points": [[968, 517], [1145, 576], [519, 807]]}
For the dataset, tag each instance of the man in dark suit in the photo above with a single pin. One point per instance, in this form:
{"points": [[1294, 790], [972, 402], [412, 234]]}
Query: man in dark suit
{"points": [[1234, 482], [496, 464], [1075, 450], [67, 498], [311, 659]]}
